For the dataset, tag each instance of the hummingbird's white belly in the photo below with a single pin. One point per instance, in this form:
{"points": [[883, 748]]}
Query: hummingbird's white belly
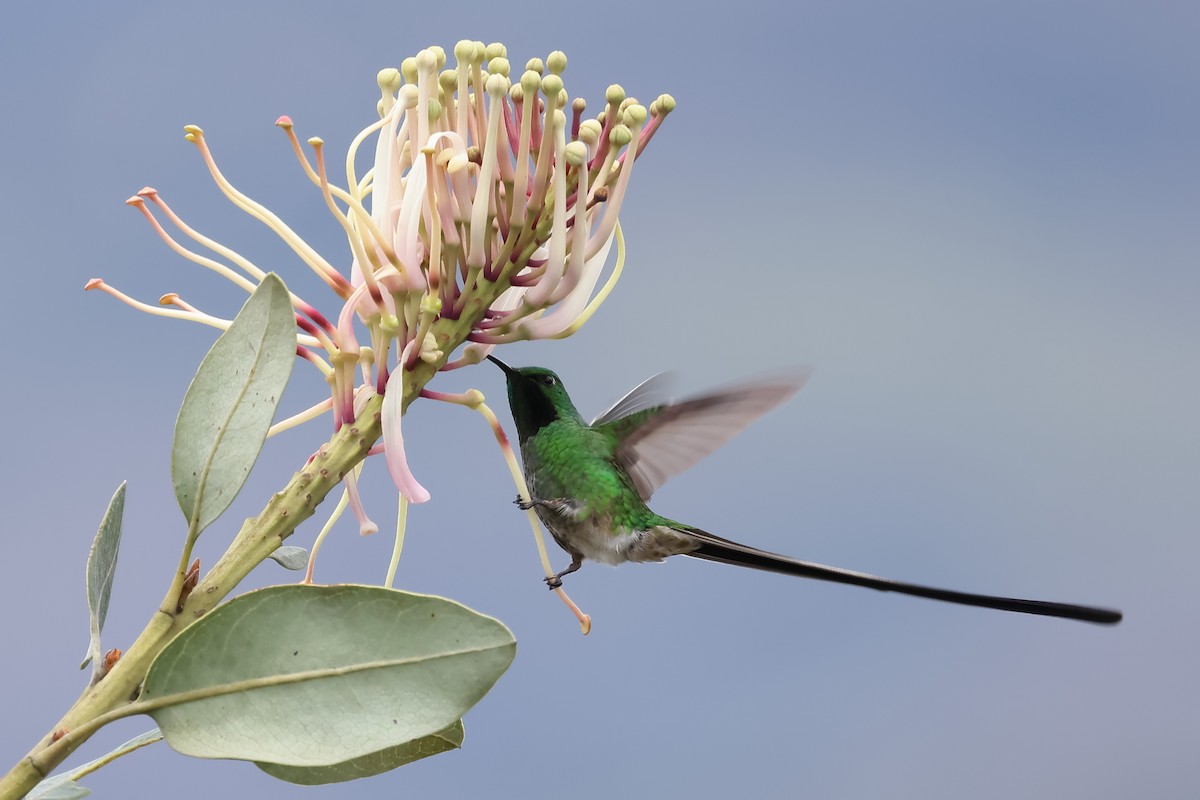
{"points": [[594, 539]]}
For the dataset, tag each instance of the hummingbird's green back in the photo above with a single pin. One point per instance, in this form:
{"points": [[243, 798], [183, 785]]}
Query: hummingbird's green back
{"points": [[569, 459]]}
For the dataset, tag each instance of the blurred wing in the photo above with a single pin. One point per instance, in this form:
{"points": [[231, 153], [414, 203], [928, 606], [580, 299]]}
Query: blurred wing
{"points": [[653, 392], [660, 442]]}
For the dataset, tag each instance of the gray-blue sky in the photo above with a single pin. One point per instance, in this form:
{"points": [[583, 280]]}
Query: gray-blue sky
{"points": [[976, 221]]}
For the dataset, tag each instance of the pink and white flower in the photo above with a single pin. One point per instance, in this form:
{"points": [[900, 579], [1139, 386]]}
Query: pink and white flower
{"points": [[488, 216]]}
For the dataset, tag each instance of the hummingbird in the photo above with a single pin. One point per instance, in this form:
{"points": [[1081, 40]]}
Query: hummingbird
{"points": [[589, 482]]}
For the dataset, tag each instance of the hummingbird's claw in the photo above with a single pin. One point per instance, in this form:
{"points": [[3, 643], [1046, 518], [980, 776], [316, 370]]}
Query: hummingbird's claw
{"points": [[555, 581], [524, 504]]}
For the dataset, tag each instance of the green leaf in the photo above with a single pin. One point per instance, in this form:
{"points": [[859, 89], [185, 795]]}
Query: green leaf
{"points": [[230, 404], [64, 787], [291, 557], [101, 565], [58, 787], [317, 675], [372, 763]]}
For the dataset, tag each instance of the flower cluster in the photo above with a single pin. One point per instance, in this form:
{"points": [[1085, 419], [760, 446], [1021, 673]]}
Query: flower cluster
{"points": [[487, 217]]}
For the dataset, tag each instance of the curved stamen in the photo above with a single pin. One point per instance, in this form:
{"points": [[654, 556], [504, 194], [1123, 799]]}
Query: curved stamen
{"points": [[306, 415], [476, 257], [356, 244], [557, 257], [190, 315], [324, 270], [602, 295], [637, 115], [525, 102], [139, 201], [149, 193], [325, 529], [353, 202]]}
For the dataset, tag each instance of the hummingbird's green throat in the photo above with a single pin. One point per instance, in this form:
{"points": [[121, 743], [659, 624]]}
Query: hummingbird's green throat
{"points": [[590, 482]]}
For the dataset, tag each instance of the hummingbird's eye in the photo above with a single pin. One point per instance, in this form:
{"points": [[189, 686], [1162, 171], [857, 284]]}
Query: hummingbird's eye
{"points": [[549, 380]]}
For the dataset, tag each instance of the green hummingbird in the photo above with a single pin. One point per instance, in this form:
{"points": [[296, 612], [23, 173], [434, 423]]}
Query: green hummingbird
{"points": [[589, 483]]}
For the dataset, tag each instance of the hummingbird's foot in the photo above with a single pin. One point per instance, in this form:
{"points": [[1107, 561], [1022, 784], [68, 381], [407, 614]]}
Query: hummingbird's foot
{"points": [[567, 507], [563, 506], [555, 581]]}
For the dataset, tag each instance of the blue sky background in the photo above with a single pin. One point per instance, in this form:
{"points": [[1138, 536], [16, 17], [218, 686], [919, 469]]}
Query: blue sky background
{"points": [[976, 221]]}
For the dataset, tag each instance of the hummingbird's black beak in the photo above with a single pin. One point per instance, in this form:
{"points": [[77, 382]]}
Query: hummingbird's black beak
{"points": [[507, 369]]}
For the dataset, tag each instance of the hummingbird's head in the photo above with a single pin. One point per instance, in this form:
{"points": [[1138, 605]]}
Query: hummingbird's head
{"points": [[536, 397]]}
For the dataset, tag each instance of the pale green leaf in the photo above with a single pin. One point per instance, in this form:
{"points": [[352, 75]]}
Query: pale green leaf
{"points": [[317, 675], [64, 787], [58, 787], [101, 565], [291, 557], [230, 404], [372, 763]]}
